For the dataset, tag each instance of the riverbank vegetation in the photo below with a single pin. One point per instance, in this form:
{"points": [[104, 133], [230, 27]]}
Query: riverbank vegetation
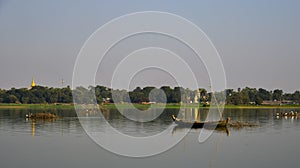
{"points": [[174, 97], [139, 106]]}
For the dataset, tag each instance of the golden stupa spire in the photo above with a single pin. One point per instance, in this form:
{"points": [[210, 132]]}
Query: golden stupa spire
{"points": [[32, 83]]}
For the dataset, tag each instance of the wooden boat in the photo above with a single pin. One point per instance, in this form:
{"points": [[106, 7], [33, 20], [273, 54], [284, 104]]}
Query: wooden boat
{"points": [[201, 124]]}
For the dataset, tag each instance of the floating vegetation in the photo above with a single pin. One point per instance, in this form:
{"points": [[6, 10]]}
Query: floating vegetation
{"points": [[42, 116], [239, 124]]}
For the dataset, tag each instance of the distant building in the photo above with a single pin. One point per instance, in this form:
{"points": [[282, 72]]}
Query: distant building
{"points": [[196, 99], [189, 99], [106, 100], [275, 102], [148, 102], [269, 102], [197, 96], [287, 102]]}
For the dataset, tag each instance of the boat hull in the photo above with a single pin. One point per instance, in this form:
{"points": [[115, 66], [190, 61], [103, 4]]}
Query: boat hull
{"points": [[215, 124]]}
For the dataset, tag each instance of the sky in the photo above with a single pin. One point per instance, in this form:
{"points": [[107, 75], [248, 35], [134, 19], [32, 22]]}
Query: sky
{"points": [[258, 41]]}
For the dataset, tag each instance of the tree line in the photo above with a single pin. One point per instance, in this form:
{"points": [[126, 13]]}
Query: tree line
{"points": [[257, 96], [41, 94], [36, 95]]}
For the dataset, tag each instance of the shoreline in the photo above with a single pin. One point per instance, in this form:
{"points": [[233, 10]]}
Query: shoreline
{"points": [[142, 106], [36, 106], [177, 106]]}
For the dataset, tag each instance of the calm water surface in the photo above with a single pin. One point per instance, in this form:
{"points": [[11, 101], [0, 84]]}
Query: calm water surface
{"points": [[62, 143]]}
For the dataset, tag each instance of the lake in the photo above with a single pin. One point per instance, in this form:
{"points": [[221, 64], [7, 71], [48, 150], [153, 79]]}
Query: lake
{"points": [[63, 143]]}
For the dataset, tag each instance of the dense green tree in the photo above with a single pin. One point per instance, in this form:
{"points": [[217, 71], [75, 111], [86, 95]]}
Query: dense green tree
{"points": [[175, 96], [12, 99], [83, 95], [244, 95], [120, 96], [258, 100], [168, 92], [251, 93], [277, 95], [103, 91], [65, 95], [157, 95], [264, 94], [203, 95], [137, 97], [146, 91], [296, 96], [236, 98]]}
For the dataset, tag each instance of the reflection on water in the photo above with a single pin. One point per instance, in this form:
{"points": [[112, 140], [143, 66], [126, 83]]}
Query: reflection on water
{"points": [[224, 130], [63, 142], [13, 120], [32, 128]]}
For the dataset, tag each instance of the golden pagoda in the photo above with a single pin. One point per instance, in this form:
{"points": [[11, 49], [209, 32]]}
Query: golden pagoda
{"points": [[32, 83]]}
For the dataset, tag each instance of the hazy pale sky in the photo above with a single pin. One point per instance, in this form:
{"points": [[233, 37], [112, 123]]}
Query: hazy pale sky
{"points": [[258, 41]]}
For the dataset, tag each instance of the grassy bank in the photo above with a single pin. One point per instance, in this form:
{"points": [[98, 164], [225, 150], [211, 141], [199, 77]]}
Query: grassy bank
{"points": [[139, 106], [142, 106], [36, 106]]}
